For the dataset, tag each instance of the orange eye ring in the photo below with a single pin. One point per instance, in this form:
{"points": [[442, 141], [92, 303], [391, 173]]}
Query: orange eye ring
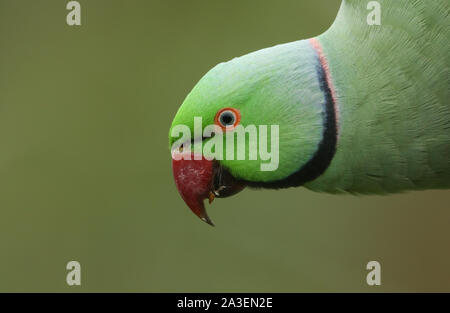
{"points": [[228, 118]]}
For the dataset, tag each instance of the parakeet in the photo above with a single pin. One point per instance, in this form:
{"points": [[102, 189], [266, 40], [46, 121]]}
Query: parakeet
{"points": [[362, 108]]}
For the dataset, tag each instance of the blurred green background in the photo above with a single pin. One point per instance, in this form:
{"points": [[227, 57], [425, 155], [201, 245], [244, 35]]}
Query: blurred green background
{"points": [[85, 169]]}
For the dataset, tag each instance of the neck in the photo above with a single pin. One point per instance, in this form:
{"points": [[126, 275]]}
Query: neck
{"points": [[386, 86], [326, 149]]}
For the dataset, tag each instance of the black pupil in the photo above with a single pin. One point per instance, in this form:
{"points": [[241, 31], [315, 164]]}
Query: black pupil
{"points": [[227, 118]]}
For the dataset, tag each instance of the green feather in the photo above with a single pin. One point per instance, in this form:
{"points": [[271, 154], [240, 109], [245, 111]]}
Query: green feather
{"points": [[392, 83]]}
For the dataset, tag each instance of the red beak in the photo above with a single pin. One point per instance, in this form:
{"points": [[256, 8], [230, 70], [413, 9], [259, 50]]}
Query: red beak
{"points": [[202, 179], [194, 180]]}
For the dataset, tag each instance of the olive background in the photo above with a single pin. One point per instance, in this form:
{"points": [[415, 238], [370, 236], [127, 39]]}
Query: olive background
{"points": [[85, 167]]}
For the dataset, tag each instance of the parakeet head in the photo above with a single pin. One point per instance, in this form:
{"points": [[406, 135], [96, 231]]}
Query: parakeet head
{"points": [[258, 120]]}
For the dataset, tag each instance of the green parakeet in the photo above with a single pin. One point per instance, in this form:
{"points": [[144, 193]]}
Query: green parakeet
{"points": [[362, 108]]}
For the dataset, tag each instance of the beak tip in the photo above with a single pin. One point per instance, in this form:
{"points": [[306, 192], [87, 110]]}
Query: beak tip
{"points": [[207, 220]]}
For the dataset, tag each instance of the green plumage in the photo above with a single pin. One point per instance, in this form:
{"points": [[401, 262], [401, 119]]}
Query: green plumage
{"points": [[391, 83]]}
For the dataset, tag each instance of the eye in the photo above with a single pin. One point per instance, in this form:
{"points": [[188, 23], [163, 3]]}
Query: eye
{"points": [[228, 118]]}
